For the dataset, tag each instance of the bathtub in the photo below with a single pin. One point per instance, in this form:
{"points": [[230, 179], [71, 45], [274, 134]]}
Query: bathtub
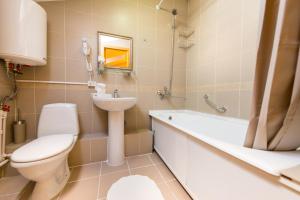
{"points": [[206, 154]]}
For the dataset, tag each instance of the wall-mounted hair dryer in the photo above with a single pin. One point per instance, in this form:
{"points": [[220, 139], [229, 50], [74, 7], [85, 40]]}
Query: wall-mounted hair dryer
{"points": [[87, 52]]}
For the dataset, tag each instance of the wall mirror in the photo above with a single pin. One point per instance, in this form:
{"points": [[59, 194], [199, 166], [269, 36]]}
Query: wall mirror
{"points": [[115, 51]]}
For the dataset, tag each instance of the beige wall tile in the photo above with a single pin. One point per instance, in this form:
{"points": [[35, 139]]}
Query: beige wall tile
{"points": [[132, 144], [230, 100], [248, 66], [245, 98], [80, 153], [46, 93], [76, 71], [3, 78], [28, 73], [143, 119], [98, 149], [130, 120], [55, 70], [81, 96], [226, 37], [85, 123], [31, 125], [100, 121], [55, 44], [55, 14], [78, 22], [25, 98], [79, 5], [146, 142]]}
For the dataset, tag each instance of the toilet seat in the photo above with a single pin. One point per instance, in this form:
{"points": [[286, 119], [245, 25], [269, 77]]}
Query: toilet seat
{"points": [[134, 188], [43, 148]]}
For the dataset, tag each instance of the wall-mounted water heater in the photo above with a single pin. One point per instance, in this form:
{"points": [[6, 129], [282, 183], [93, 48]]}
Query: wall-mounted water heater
{"points": [[23, 32]]}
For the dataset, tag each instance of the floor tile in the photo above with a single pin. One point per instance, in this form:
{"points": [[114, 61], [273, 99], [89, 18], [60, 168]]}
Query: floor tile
{"points": [[166, 192], [150, 171], [85, 171], [108, 179], [155, 158], [85, 189], [139, 161], [178, 190], [12, 185], [165, 172], [105, 168]]}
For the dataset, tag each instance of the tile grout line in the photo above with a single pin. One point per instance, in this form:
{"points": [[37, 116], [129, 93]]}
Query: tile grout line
{"points": [[98, 188], [83, 179], [92, 163], [130, 173], [165, 181]]}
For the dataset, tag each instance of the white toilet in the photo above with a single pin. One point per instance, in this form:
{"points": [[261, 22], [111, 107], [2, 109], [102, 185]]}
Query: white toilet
{"points": [[44, 160]]}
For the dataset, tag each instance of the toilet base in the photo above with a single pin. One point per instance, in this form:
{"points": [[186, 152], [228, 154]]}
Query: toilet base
{"points": [[51, 186]]}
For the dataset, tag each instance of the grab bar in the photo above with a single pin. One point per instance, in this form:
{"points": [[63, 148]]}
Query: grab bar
{"points": [[213, 105]]}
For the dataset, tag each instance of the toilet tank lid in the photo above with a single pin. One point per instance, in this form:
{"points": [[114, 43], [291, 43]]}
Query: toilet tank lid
{"points": [[43, 148], [60, 105]]}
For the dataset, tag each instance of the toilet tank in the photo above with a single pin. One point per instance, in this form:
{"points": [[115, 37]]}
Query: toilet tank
{"points": [[58, 118], [23, 34]]}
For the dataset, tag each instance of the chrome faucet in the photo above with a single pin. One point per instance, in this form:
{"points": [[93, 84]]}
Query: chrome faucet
{"points": [[164, 93], [116, 93]]}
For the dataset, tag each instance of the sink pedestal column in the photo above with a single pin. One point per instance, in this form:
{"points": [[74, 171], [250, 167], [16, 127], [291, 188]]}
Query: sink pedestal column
{"points": [[116, 155]]}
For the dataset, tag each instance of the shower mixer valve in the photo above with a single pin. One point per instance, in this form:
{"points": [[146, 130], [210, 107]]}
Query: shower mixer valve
{"points": [[163, 93]]}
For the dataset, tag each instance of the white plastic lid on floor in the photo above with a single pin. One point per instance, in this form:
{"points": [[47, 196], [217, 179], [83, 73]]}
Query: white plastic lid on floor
{"points": [[134, 188]]}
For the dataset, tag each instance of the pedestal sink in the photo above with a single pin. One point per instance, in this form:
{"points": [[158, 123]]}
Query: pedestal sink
{"points": [[115, 108]]}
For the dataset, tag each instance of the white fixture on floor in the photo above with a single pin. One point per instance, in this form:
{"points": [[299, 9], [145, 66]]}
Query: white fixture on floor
{"points": [[134, 188], [115, 108], [44, 160]]}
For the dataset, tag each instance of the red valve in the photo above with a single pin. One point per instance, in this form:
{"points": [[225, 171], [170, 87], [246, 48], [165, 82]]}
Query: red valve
{"points": [[6, 108]]}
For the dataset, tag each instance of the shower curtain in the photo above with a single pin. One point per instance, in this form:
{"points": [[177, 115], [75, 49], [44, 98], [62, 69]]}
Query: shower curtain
{"points": [[275, 113]]}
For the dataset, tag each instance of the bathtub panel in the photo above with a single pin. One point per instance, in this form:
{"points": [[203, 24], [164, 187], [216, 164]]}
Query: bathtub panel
{"points": [[172, 145], [164, 142], [207, 172], [213, 174], [181, 152]]}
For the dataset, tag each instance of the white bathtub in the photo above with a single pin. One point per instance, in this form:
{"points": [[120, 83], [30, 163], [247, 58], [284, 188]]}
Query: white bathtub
{"points": [[206, 154]]}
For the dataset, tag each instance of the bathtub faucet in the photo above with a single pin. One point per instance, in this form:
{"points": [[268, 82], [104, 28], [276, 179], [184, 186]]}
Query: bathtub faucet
{"points": [[165, 93]]}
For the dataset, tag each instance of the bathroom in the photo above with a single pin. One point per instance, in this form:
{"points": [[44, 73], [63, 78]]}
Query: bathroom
{"points": [[149, 99]]}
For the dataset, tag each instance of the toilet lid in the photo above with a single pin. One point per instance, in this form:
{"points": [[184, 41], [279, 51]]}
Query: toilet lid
{"points": [[42, 148], [134, 188]]}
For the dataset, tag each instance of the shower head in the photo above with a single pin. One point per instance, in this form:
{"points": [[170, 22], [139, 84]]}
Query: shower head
{"points": [[158, 7], [159, 4]]}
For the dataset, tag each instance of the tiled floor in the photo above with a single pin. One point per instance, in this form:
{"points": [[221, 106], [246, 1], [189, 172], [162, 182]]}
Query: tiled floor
{"points": [[92, 181]]}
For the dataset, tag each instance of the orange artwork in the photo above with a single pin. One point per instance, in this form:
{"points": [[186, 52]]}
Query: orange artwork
{"points": [[117, 57]]}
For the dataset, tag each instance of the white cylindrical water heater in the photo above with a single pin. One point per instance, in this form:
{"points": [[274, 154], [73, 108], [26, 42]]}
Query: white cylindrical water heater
{"points": [[23, 32]]}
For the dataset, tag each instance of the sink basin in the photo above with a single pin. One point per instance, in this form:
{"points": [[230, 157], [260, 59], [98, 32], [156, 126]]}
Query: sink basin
{"points": [[107, 102], [115, 108]]}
